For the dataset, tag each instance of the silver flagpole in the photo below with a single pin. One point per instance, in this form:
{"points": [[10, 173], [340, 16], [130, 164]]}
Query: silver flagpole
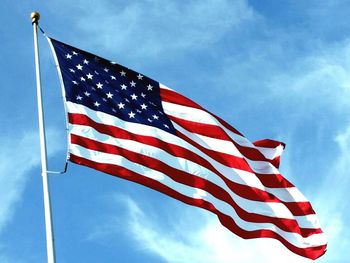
{"points": [[48, 220]]}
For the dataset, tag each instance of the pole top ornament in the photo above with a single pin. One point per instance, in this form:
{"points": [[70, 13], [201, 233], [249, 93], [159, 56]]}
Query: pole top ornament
{"points": [[35, 16]]}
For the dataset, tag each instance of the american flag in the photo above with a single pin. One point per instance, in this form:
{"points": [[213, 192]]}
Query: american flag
{"points": [[125, 124]]}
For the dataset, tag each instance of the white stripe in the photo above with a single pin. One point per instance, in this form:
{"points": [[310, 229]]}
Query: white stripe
{"points": [[210, 143], [162, 86], [286, 195], [177, 110], [189, 114], [271, 209], [236, 175], [200, 116], [271, 153], [293, 238], [290, 194], [218, 145], [228, 148]]}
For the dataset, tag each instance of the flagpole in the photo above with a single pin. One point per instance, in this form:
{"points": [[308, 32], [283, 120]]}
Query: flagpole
{"points": [[35, 16]]}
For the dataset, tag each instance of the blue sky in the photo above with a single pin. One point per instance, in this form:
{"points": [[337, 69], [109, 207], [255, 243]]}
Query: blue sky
{"points": [[272, 69]]}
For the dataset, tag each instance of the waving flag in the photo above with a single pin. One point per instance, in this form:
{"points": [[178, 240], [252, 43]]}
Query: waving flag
{"points": [[128, 125]]}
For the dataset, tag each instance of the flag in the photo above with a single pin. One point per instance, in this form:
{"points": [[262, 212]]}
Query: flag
{"points": [[128, 125]]}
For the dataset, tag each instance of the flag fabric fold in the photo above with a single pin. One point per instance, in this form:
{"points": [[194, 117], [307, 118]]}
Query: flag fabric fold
{"points": [[128, 125], [271, 149]]}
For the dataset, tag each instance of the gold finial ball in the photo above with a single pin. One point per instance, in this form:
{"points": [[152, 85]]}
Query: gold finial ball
{"points": [[35, 16]]}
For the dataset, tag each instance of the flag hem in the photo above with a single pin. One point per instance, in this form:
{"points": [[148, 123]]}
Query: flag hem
{"points": [[63, 92]]}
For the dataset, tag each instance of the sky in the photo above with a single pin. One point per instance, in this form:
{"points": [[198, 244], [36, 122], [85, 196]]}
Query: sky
{"points": [[272, 69]]}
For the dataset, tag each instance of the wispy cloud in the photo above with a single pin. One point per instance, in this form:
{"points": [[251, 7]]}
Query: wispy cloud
{"points": [[157, 28], [330, 197], [19, 154]]}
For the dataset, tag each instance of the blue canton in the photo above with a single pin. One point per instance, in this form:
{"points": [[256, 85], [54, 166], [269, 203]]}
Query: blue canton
{"points": [[105, 86]]}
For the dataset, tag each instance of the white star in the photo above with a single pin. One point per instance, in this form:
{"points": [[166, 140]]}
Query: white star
{"points": [[143, 95], [99, 85], [97, 104], [97, 73], [149, 87], [109, 95], [166, 126], [133, 84], [123, 86], [156, 117], [106, 69], [149, 120], [82, 79], [112, 77], [121, 105], [131, 115], [122, 73], [80, 67], [74, 82], [86, 62], [139, 111], [72, 70], [89, 76], [133, 97], [143, 106], [69, 56], [75, 53], [87, 94], [139, 76], [79, 97]]}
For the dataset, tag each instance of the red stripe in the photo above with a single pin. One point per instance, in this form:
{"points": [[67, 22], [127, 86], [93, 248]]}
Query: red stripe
{"points": [[176, 98], [267, 143], [276, 161], [228, 222], [289, 225], [296, 208], [209, 130], [223, 158], [217, 132], [268, 180]]}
